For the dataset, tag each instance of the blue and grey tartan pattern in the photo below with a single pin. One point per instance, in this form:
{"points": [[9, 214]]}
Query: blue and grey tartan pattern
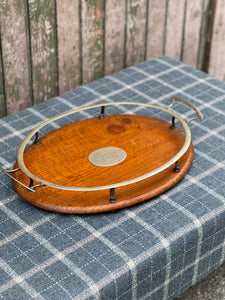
{"points": [[154, 250]]}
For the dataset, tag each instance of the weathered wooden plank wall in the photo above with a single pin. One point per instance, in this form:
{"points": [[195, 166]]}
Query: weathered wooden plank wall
{"points": [[48, 47], [15, 55], [217, 54], [136, 29], [92, 41], [42, 20], [68, 44], [2, 98], [174, 28], [192, 27], [156, 28]]}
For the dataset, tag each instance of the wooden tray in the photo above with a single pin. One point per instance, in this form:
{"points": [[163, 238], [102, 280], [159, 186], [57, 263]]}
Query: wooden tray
{"points": [[104, 163]]}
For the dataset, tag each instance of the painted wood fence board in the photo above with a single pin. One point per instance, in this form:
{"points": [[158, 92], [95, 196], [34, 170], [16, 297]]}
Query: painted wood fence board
{"points": [[192, 32], [203, 34], [43, 49], [15, 55], [2, 96], [92, 40], [68, 44], [156, 28], [217, 56], [136, 30], [174, 28], [114, 35]]}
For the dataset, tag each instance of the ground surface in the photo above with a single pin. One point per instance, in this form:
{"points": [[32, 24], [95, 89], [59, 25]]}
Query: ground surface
{"points": [[210, 288]]}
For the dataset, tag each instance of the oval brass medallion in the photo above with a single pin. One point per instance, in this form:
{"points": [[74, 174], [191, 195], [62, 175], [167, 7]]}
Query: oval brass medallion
{"points": [[107, 156]]}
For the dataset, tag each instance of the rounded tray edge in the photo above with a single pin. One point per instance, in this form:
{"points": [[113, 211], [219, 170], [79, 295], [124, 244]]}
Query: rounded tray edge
{"points": [[187, 159]]}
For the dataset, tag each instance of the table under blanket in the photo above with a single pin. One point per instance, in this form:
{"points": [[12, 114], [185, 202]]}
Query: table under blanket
{"points": [[153, 250]]}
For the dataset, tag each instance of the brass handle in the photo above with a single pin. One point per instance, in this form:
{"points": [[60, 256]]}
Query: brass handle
{"points": [[7, 172], [198, 113]]}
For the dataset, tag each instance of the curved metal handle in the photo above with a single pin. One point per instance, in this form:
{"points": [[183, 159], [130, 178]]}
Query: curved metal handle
{"points": [[198, 113], [7, 172]]}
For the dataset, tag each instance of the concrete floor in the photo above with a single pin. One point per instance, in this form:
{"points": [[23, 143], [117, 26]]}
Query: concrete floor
{"points": [[210, 288]]}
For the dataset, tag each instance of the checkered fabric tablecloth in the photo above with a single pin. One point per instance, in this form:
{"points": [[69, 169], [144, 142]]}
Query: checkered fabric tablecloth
{"points": [[154, 250]]}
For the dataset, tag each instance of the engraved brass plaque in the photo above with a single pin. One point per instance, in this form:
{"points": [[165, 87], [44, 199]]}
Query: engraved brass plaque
{"points": [[107, 156]]}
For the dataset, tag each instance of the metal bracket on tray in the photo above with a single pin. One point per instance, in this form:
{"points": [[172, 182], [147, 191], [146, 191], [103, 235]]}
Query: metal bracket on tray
{"points": [[31, 188], [198, 114]]}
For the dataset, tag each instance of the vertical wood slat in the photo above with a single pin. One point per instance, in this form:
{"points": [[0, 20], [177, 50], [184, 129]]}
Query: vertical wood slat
{"points": [[192, 32], [92, 40], [114, 35], [2, 96], [68, 44], [156, 27], [203, 34], [217, 57], [136, 29], [174, 28], [43, 49], [15, 55]]}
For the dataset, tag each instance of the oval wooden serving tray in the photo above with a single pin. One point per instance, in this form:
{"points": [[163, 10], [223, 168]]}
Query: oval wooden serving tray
{"points": [[61, 157]]}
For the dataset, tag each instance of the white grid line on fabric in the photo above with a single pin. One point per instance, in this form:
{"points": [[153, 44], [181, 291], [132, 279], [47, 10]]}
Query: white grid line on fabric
{"points": [[109, 244], [157, 99], [164, 242], [26, 229], [211, 132], [118, 251], [196, 222], [214, 132], [41, 116], [130, 86], [7, 200], [154, 249], [172, 261], [207, 157], [190, 181], [183, 261], [206, 104], [84, 113], [213, 246], [99, 234], [181, 90], [118, 91], [12, 129], [209, 253], [210, 216], [213, 193], [5, 163], [11, 135], [19, 280], [28, 273], [68, 250], [54, 251], [192, 75]]}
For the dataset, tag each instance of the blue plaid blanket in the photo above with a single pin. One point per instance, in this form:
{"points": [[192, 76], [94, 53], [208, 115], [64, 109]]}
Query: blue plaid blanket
{"points": [[154, 250]]}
